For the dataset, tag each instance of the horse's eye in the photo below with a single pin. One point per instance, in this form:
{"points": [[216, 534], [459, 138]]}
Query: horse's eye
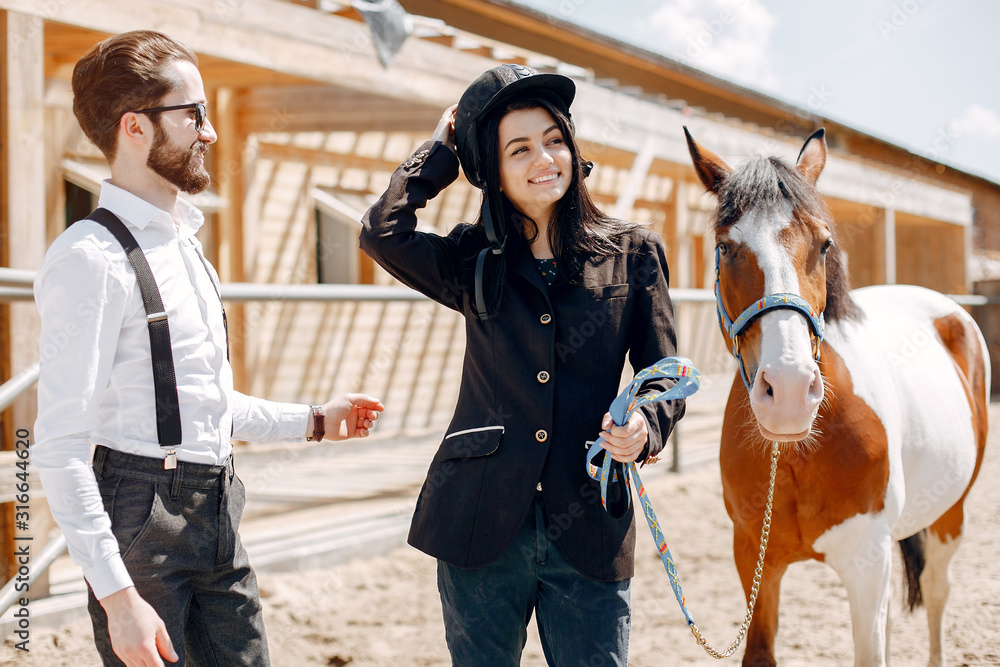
{"points": [[826, 246], [721, 248]]}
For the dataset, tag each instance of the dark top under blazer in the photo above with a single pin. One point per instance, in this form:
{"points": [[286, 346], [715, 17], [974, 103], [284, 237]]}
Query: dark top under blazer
{"points": [[537, 379]]}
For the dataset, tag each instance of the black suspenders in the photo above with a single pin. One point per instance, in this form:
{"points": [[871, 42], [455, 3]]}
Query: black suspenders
{"points": [[168, 414]]}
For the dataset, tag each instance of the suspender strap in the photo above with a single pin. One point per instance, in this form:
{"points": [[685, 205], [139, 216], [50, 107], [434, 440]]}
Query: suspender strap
{"points": [[168, 413]]}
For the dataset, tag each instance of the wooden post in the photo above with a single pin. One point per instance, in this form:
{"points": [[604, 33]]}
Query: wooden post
{"points": [[22, 243], [682, 272], [968, 251], [889, 234], [230, 177]]}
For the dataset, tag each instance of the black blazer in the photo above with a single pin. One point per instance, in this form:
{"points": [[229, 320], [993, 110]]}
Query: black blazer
{"points": [[536, 381]]}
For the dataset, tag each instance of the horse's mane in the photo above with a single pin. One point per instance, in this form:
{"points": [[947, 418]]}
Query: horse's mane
{"points": [[766, 183]]}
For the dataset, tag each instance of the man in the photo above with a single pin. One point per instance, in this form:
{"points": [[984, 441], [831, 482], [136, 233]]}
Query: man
{"points": [[154, 528]]}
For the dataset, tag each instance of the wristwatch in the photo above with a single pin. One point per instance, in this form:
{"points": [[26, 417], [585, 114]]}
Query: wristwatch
{"points": [[319, 423]]}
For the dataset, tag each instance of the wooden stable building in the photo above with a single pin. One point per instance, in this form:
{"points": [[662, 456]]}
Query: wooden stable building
{"points": [[311, 124]]}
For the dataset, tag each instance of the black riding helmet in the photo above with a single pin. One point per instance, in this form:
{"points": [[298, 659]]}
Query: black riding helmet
{"points": [[486, 94]]}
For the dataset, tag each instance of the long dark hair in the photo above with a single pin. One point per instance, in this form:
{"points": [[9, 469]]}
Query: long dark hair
{"points": [[579, 229]]}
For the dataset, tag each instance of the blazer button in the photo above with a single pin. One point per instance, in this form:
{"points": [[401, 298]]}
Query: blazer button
{"points": [[538, 487], [545, 319], [543, 377], [541, 435]]}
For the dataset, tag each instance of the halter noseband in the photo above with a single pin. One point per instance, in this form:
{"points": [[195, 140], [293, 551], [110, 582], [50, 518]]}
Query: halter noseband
{"points": [[785, 301]]}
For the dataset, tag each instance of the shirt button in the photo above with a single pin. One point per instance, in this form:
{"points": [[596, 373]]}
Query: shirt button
{"points": [[543, 377], [541, 435], [545, 319], [538, 487]]}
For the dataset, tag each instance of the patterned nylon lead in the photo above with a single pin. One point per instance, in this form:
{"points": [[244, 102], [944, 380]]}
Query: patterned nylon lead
{"points": [[688, 381]]}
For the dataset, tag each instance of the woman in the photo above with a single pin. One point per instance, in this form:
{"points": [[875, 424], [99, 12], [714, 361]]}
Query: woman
{"points": [[555, 294]]}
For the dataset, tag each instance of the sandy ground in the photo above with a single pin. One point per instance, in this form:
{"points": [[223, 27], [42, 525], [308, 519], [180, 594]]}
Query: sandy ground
{"points": [[385, 611]]}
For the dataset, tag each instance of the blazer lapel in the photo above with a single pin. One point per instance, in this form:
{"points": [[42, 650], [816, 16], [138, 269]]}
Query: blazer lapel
{"points": [[523, 263]]}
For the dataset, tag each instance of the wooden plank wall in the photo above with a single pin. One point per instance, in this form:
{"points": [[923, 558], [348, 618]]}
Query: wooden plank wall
{"points": [[931, 254]]}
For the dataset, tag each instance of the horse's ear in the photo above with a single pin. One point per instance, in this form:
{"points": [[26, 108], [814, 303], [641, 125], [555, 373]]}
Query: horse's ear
{"points": [[812, 157], [712, 170]]}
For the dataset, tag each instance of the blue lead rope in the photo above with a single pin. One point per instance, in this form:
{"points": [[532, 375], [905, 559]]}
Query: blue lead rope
{"points": [[688, 380]]}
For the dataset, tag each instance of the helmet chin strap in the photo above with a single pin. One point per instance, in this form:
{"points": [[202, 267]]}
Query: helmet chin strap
{"points": [[496, 246]]}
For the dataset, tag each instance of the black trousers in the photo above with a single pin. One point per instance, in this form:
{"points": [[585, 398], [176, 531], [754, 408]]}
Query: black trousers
{"points": [[177, 531]]}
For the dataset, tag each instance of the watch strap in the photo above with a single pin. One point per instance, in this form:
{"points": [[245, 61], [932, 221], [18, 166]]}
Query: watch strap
{"points": [[319, 424]]}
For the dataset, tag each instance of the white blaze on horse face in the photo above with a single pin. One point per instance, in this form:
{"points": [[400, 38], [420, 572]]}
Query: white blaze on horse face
{"points": [[787, 388]]}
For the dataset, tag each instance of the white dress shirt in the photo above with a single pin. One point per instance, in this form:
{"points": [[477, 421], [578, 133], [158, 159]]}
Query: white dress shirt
{"points": [[96, 381]]}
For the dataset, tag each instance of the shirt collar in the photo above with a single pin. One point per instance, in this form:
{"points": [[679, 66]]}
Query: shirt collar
{"points": [[140, 213]]}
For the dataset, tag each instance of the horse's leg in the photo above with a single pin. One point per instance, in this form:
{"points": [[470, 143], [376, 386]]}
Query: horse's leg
{"points": [[865, 571], [759, 650], [888, 629], [943, 538]]}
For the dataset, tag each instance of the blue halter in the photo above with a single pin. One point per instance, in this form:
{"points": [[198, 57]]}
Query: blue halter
{"points": [[769, 302]]}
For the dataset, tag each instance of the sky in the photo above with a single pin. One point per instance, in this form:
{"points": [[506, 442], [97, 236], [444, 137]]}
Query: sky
{"points": [[922, 74]]}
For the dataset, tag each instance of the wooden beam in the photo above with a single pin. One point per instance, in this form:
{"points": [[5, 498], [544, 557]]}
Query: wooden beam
{"points": [[65, 45], [329, 109], [283, 38], [636, 177], [320, 158], [22, 231]]}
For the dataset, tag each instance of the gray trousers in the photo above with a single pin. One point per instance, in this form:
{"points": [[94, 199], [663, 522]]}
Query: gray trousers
{"points": [[177, 531]]}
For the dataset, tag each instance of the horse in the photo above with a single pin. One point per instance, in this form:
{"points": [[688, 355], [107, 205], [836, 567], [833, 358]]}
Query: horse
{"points": [[877, 398]]}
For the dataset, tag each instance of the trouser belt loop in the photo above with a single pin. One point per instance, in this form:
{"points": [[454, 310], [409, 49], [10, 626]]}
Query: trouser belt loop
{"points": [[175, 483], [100, 454]]}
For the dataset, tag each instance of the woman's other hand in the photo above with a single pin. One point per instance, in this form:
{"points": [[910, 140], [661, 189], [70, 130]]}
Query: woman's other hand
{"points": [[625, 443], [445, 131]]}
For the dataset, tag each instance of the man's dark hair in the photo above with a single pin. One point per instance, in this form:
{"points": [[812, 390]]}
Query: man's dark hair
{"points": [[123, 73]]}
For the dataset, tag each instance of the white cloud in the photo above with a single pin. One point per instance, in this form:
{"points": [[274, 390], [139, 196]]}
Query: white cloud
{"points": [[978, 122], [729, 38]]}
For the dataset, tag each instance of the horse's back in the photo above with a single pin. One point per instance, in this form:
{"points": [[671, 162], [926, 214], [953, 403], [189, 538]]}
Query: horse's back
{"points": [[931, 391]]}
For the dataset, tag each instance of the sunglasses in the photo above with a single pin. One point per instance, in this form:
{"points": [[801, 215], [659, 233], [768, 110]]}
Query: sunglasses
{"points": [[199, 112]]}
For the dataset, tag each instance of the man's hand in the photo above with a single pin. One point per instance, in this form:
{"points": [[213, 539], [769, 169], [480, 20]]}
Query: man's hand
{"points": [[351, 416], [625, 443], [138, 635]]}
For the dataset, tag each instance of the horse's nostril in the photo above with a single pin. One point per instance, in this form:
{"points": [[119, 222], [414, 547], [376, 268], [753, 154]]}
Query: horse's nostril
{"points": [[770, 391]]}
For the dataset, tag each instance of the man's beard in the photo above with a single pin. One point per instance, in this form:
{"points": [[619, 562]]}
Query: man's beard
{"points": [[177, 165]]}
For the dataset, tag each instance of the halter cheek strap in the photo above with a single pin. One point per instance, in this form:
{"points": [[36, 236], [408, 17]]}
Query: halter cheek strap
{"points": [[784, 301]]}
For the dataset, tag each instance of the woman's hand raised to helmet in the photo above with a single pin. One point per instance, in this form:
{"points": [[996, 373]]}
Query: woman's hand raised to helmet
{"points": [[445, 132]]}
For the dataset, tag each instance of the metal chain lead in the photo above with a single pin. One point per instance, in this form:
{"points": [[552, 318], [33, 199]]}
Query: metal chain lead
{"points": [[764, 533]]}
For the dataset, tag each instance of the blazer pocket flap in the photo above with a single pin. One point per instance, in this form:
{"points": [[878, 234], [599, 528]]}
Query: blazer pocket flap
{"points": [[472, 442], [611, 291]]}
